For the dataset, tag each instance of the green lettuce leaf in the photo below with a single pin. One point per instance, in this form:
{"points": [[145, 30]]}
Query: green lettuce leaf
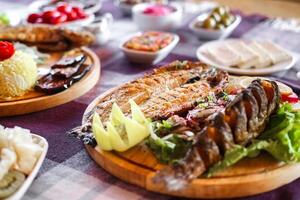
{"points": [[281, 139], [168, 149]]}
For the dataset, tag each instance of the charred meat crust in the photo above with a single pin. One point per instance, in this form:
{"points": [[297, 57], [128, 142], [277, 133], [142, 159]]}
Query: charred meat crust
{"points": [[50, 38], [166, 91], [238, 124]]}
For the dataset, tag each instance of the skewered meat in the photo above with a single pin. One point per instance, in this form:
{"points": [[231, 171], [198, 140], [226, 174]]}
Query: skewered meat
{"points": [[50, 38], [243, 120], [169, 90]]}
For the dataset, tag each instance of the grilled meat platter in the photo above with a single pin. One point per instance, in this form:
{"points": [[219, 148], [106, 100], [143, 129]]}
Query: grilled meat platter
{"points": [[47, 38], [195, 120]]}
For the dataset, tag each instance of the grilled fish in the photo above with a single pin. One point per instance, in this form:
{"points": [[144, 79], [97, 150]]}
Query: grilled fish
{"points": [[169, 90], [50, 38], [242, 120]]}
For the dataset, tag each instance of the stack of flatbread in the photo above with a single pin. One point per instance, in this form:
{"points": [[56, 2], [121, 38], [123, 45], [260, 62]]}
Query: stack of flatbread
{"points": [[246, 54]]}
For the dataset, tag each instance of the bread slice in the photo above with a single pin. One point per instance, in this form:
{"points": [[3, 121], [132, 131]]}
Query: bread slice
{"points": [[248, 57], [276, 53], [221, 54], [264, 59]]}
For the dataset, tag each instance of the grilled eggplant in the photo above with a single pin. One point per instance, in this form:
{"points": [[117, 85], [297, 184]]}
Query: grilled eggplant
{"points": [[242, 120]]}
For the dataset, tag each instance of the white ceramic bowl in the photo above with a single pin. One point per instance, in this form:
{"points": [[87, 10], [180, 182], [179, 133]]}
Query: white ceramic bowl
{"points": [[146, 22], [211, 34], [148, 57]]}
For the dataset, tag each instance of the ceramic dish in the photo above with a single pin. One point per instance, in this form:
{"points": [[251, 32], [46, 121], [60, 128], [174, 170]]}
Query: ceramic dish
{"points": [[211, 34], [80, 22], [165, 22], [93, 7], [28, 181], [282, 66], [148, 57]]}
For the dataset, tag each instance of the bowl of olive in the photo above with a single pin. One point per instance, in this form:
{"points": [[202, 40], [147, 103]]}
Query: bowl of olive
{"points": [[217, 24]]}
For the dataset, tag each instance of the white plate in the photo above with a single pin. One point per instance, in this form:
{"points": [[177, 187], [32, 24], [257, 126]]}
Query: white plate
{"points": [[282, 66], [148, 57], [211, 34], [29, 179]]}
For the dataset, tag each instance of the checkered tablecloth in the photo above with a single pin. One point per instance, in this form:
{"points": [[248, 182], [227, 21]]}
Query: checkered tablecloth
{"points": [[68, 172]]}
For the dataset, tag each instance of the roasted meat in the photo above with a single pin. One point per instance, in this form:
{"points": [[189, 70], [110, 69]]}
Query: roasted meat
{"points": [[170, 90], [242, 120], [45, 37], [68, 70]]}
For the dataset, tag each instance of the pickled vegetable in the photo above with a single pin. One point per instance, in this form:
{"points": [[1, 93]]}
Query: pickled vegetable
{"points": [[218, 19]]}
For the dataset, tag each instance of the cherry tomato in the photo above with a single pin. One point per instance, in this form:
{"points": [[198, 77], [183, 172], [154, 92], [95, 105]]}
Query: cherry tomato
{"points": [[50, 15], [7, 50], [80, 12], [291, 98], [33, 18], [72, 16], [64, 8], [60, 19]]}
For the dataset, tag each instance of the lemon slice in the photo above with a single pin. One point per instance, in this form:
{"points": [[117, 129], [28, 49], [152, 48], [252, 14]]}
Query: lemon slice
{"points": [[246, 81]]}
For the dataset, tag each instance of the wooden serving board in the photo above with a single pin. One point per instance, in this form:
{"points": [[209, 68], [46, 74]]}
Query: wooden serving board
{"points": [[36, 101], [248, 177]]}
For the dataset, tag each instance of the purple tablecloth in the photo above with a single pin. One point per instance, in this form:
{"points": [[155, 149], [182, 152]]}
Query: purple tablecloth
{"points": [[68, 172]]}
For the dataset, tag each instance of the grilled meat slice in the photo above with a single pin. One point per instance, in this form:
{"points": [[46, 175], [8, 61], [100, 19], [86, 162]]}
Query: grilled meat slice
{"points": [[220, 131], [251, 108], [167, 91], [45, 37], [237, 124]]}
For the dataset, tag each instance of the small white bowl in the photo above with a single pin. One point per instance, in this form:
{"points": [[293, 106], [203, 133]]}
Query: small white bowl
{"points": [[211, 34], [147, 22], [148, 57]]}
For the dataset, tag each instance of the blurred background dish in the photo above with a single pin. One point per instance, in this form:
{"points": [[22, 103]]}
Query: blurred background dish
{"points": [[217, 24], [127, 5], [63, 14], [89, 6], [160, 17], [100, 27], [149, 47], [247, 57]]}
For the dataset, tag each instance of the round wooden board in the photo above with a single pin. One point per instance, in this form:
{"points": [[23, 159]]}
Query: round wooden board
{"points": [[36, 101], [248, 177]]}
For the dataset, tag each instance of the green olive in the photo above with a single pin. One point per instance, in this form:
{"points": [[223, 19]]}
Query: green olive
{"points": [[220, 26], [220, 10], [226, 21], [209, 23], [216, 16]]}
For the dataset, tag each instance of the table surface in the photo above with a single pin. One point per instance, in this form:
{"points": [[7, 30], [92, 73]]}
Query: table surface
{"points": [[272, 8], [68, 172]]}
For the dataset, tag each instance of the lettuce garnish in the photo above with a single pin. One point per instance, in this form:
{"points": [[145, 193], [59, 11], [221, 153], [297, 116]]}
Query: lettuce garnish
{"points": [[281, 139]]}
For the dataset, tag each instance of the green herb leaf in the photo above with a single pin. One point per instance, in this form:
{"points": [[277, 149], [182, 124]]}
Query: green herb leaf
{"points": [[168, 149]]}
